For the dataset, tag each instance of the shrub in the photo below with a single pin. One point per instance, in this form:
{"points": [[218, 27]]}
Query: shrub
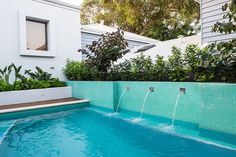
{"points": [[75, 70], [142, 68], [4, 86], [103, 53], [175, 66], [56, 83], [160, 71]]}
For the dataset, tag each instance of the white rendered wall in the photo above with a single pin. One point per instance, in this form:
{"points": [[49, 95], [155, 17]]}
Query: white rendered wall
{"points": [[67, 31], [164, 48], [25, 96]]}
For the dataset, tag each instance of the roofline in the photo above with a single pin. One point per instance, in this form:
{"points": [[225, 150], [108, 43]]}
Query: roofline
{"points": [[147, 41], [60, 3]]}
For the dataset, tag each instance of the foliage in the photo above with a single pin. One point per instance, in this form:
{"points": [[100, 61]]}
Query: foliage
{"points": [[4, 86], [159, 19], [35, 80], [160, 69], [142, 68], [5, 73], [39, 74], [192, 64], [224, 53], [214, 63], [229, 26], [77, 71], [104, 52], [176, 69]]}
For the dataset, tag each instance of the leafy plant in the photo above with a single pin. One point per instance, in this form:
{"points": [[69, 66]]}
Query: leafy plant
{"points": [[5, 73], [37, 80], [39, 74], [103, 53], [175, 66], [142, 68], [17, 72], [225, 52], [78, 71], [160, 71], [4, 86]]}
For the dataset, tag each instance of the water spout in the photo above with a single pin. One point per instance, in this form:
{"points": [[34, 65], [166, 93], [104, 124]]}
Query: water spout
{"points": [[121, 96], [151, 89], [181, 92]]}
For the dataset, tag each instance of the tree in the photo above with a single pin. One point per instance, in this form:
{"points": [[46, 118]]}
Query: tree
{"points": [[159, 19], [104, 52]]}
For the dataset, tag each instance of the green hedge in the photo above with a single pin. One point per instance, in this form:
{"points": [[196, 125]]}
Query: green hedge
{"points": [[193, 64]]}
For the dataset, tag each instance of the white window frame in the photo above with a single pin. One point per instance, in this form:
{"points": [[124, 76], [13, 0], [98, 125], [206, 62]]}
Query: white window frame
{"points": [[51, 52]]}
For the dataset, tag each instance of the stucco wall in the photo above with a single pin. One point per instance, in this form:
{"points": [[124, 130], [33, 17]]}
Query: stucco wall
{"points": [[67, 35]]}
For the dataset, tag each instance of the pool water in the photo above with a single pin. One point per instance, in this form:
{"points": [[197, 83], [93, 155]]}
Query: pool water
{"points": [[88, 133]]}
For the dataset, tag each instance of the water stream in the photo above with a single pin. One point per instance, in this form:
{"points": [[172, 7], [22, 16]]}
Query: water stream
{"points": [[175, 107], [121, 96], [151, 89]]}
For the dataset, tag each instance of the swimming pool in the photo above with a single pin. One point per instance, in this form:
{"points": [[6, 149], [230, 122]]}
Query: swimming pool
{"points": [[89, 132]]}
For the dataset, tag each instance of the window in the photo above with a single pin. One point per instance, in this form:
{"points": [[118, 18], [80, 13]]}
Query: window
{"points": [[36, 35]]}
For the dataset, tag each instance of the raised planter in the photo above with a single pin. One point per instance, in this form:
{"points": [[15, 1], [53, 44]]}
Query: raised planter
{"points": [[25, 96]]}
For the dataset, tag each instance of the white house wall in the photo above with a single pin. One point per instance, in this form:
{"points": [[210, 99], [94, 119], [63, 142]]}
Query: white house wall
{"points": [[66, 30], [211, 12]]}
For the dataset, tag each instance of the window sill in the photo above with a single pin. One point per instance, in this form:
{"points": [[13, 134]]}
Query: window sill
{"points": [[35, 53]]}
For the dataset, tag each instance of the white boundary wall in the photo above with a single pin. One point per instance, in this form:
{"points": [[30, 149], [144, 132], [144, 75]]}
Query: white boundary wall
{"points": [[66, 39]]}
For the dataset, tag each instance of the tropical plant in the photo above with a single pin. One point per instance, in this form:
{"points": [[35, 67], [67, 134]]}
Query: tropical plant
{"points": [[36, 80], [39, 74], [5, 73]]}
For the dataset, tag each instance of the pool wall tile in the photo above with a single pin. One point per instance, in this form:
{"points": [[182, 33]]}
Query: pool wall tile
{"points": [[211, 106], [218, 107], [102, 94]]}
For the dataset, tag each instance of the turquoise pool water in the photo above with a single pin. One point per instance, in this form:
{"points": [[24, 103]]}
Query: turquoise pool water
{"points": [[88, 133]]}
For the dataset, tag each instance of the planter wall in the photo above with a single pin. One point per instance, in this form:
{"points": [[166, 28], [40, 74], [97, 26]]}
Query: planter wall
{"points": [[24, 96], [211, 106]]}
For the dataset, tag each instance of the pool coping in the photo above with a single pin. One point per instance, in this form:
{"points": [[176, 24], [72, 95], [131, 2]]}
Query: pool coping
{"points": [[42, 106]]}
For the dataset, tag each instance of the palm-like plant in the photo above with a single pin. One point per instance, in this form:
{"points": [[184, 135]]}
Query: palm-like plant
{"points": [[39, 74]]}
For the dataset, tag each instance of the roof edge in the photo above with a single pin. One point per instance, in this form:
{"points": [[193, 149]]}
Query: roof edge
{"points": [[58, 2], [127, 37]]}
